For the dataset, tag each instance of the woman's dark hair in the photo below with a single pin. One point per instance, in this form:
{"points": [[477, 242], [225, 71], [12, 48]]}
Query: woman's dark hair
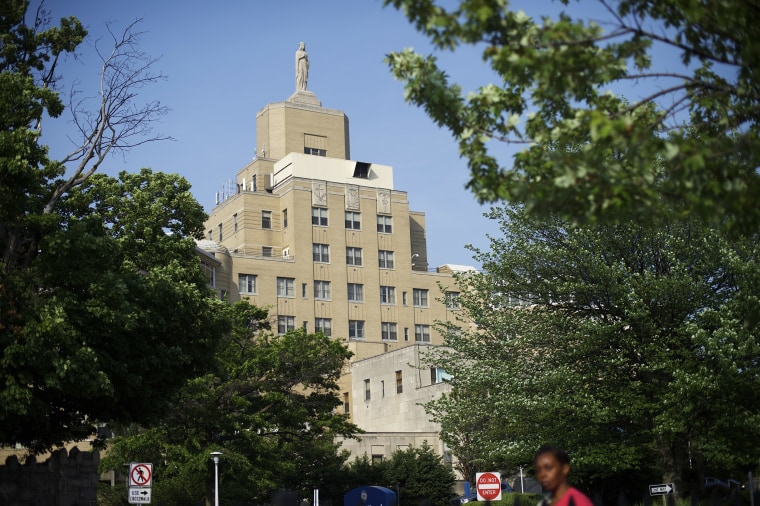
{"points": [[558, 453]]}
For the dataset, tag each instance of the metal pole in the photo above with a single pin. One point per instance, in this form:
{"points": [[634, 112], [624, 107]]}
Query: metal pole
{"points": [[522, 487], [215, 456], [751, 486]]}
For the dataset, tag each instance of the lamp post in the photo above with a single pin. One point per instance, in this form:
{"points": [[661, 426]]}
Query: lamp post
{"points": [[215, 456]]}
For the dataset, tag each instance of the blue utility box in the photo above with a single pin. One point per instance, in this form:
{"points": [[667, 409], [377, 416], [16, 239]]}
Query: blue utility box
{"points": [[370, 496]]}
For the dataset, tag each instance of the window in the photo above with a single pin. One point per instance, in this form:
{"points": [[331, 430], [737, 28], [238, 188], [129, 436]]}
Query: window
{"points": [[286, 287], [382, 388], [452, 300], [355, 292], [353, 256], [389, 331], [385, 224], [377, 459], [422, 333], [266, 251], [247, 283], [404, 299], [399, 383], [385, 259], [285, 324], [420, 297], [305, 290], [438, 375], [234, 222], [284, 218], [319, 216], [305, 326], [323, 325], [210, 235], [406, 334], [346, 405], [356, 329], [220, 233], [387, 294], [315, 151], [367, 395], [266, 219], [321, 252], [353, 220], [322, 290]]}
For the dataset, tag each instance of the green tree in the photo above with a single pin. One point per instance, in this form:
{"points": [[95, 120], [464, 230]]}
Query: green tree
{"points": [[269, 406], [421, 475], [89, 264], [690, 144], [634, 347], [116, 312]]}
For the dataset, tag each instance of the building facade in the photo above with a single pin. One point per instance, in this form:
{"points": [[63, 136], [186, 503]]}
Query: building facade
{"points": [[389, 391], [327, 243]]}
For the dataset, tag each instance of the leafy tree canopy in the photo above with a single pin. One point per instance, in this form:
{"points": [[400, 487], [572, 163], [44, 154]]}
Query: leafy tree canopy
{"points": [[634, 347], [115, 312], [269, 405], [103, 308], [418, 474], [689, 144]]}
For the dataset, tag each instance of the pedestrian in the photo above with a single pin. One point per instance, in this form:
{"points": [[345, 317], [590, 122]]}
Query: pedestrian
{"points": [[552, 466]]}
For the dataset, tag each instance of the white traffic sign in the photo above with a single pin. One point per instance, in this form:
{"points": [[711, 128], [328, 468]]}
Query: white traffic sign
{"points": [[140, 475], [661, 489], [139, 495], [488, 486]]}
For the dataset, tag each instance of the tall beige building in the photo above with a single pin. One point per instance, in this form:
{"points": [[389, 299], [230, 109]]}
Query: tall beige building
{"points": [[326, 242]]}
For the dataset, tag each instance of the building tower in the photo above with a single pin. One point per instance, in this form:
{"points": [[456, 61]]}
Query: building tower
{"points": [[326, 242]]}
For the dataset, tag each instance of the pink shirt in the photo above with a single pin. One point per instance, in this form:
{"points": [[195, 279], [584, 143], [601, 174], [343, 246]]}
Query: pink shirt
{"points": [[578, 497]]}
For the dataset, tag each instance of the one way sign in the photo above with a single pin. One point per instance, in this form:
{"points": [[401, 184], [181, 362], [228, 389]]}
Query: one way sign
{"points": [[661, 489]]}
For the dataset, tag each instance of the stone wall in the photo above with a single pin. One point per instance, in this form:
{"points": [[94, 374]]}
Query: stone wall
{"points": [[65, 479]]}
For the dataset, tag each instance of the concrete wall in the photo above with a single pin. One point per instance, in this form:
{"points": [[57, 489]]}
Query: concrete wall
{"points": [[65, 479]]}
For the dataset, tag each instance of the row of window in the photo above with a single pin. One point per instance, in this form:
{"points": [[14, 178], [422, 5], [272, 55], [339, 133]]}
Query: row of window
{"points": [[437, 375], [352, 220], [356, 329], [319, 217], [323, 291], [399, 386], [354, 292], [321, 253]]}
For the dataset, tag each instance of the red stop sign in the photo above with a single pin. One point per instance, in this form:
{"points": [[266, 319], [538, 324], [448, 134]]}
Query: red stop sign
{"points": [[488, 486]]}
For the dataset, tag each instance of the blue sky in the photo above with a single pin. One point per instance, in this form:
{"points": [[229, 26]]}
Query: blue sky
{"points": [[225, 60]]}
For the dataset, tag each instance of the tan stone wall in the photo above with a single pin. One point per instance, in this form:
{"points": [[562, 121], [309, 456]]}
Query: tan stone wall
{"points": [[281, 128]]}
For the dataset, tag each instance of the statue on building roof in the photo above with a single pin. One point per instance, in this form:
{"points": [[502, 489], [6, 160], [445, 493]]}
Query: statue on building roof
{"points": [[302, 67]]}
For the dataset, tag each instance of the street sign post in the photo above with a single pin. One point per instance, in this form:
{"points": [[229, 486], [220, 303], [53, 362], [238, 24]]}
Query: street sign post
{"points": [[139, 495], [661, 489], [488, 486]]}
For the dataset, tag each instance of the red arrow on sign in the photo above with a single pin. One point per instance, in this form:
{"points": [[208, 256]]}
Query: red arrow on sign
{"points": [[488, 486]]}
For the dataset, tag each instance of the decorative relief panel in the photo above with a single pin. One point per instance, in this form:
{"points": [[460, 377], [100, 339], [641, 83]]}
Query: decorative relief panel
{"points": [[318, 193], [384, 201], [352, 197]]}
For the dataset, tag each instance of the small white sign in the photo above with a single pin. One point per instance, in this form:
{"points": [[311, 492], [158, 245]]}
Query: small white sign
{"points": [[139, 495]]}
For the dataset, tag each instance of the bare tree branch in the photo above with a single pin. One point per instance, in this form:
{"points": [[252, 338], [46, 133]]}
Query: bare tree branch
{"points": [[119, 122]]}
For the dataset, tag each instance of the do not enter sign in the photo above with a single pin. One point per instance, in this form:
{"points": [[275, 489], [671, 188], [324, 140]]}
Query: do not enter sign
{"points": [[488, 486]]}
